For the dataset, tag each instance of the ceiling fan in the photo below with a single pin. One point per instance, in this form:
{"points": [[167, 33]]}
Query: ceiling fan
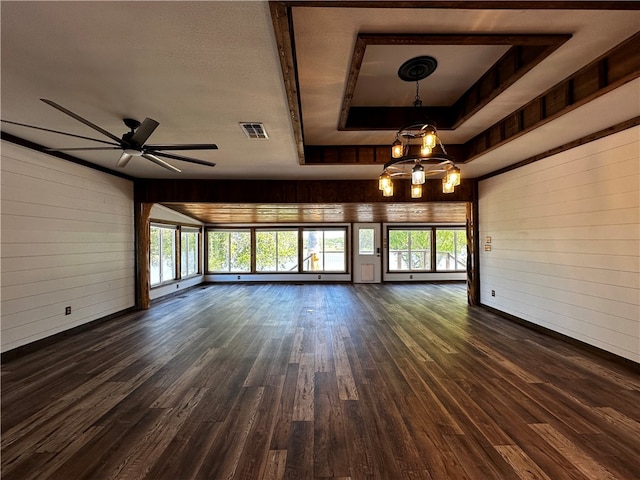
{"points": [[132, 144]]}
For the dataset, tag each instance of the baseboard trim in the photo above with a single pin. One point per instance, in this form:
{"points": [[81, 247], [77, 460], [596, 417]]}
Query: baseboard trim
{"points": [[23, 350], [625, 362]]}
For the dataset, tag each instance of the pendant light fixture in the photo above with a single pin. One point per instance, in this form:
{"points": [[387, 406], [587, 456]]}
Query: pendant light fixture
{"points": [[417, 151]]}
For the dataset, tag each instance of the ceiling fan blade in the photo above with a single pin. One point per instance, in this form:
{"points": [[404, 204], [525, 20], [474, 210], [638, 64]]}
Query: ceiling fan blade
{"points": [[162, 163], [144, 131], [61, 133], [80, 119], [186, 146], [82, 148], [184, 159], [123, 160]]}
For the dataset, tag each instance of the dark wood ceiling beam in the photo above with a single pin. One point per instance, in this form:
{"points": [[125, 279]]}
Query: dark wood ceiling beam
{"points": [[472, 4], [283, 30], [288, 191], [526, 52], [519, 60], [364, 154], [612, 70], [392, 118]]}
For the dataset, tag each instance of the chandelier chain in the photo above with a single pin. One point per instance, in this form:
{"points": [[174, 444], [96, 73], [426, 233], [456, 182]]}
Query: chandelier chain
{"points": [[417, 102]]}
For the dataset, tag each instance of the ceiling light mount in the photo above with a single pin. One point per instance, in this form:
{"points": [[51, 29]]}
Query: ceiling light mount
{"points": [[418, 68]]}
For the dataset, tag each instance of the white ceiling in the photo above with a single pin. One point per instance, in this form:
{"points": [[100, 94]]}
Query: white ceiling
{"points": [[200, 68]]}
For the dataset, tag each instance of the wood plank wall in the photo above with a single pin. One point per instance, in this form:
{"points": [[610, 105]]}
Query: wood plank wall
{"points": [[67, 240], [565, 243]]}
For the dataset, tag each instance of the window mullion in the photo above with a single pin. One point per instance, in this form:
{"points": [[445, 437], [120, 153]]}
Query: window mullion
{"points": [[177, 251]]}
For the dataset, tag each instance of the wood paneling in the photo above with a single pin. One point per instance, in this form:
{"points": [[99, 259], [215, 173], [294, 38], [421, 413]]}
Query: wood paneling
{"points": [[223, 213], [290, 191], [373, 382], [566, 242], [256, 201], [71, 244]]}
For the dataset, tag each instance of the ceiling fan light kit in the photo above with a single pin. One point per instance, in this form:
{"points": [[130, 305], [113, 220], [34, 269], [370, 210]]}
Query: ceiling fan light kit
{"points": [[132, 144], [413, 152]]}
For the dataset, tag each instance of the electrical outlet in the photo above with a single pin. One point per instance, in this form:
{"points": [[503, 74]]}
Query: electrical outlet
{"points": [[493, 293], [177, 286], [67, 311]]}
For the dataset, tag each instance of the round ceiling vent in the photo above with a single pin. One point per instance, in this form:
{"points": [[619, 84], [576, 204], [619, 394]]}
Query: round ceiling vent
{"points": [[417, 68]]}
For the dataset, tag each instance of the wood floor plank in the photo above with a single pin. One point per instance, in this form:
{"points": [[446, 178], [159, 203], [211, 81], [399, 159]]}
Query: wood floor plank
{"points": [[330, 444], [284, 410], [347, 389], [303, 404], [337, 381], [275, 465], [186, 451], [300, 452], [228, 446], [255, 454], [524, 466], [573, 453], [140, 460]]}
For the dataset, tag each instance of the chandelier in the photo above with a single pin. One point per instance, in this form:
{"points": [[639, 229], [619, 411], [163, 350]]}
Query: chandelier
{"points": [[417, 151]]}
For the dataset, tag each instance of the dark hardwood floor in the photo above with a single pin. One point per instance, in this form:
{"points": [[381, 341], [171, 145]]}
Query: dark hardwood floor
{"points": [[314, 382]]}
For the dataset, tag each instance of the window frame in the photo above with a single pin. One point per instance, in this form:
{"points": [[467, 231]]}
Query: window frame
{"points": [[434, 228], [299, 229], [435, 243], [324, 230], [178, 229], [183, 229], [416, 228], [230, 271], [259, 230], [161, 227]]}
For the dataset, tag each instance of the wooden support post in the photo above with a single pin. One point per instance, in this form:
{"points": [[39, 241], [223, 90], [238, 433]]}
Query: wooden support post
{"points": [[143, 281], [473, 245]]}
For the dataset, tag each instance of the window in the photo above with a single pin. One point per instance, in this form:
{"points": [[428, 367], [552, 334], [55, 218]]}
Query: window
{"points": [[366, 241], [451, 249], [409, 250], [162, 254], [229, 250], [282, 250], [324, 250], [276, 250], [189, 241]]}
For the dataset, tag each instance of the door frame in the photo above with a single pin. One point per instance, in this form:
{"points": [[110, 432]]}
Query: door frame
{"points": [[372, 261]]}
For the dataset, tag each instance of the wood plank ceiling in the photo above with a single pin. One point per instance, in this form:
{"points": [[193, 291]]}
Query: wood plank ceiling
{"points": [[233, 213]]}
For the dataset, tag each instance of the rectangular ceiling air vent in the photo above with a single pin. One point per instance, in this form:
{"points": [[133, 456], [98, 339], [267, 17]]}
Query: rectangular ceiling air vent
{"points": [[254, 130]]}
